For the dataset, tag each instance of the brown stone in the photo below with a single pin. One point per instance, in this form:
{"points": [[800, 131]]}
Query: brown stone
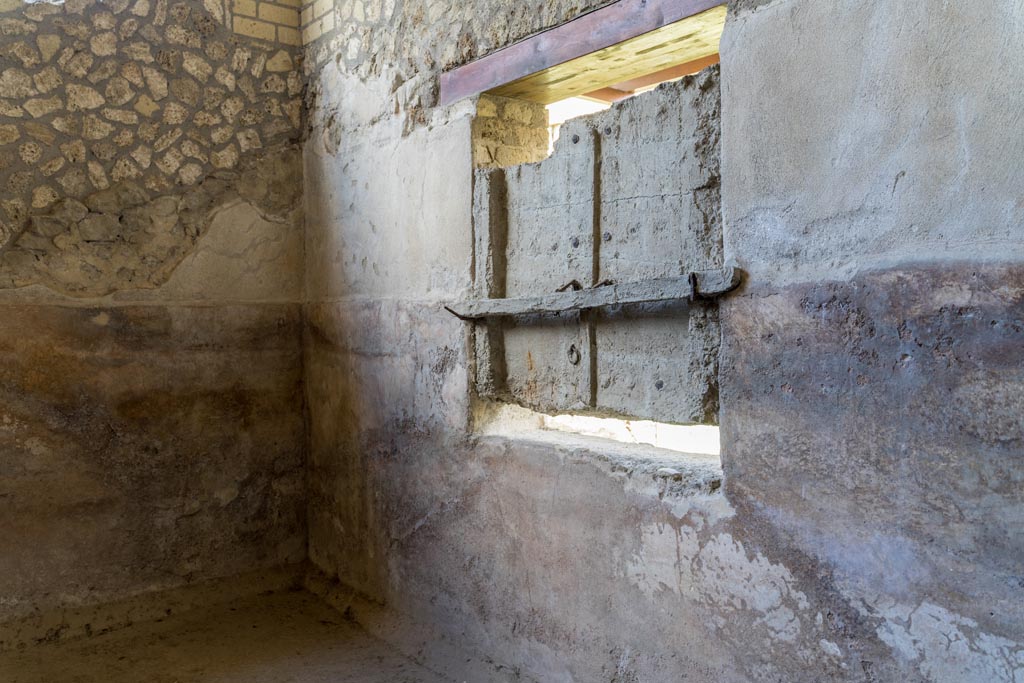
{"points": [[83, 97]]}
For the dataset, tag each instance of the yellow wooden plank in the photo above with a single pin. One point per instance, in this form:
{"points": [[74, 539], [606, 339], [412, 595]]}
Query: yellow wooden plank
{"points": [[684, 41]]}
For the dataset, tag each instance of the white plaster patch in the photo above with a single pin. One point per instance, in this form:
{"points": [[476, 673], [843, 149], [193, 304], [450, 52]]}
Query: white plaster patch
{"points": [[946, 646], [711, 509], [943, 645], [737, 582], [719, 575], [244, 256], [830, 648], [657, 567]]}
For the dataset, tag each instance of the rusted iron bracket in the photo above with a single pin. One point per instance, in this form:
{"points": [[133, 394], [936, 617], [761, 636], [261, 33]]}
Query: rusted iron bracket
{"points": [[707, 284]]}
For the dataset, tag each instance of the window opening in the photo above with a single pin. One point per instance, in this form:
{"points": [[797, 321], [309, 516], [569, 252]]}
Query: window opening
{"points": [[594, 264], [509, 419], [599, 100]]}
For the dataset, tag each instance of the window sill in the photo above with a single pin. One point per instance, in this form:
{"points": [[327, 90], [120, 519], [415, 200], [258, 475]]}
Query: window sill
{"points": [[673, 474]]}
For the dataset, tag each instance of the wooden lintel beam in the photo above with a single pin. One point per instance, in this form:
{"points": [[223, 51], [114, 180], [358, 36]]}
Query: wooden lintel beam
{"points": [[589, 33], [609, 95], [669, 74], [621, 91]]}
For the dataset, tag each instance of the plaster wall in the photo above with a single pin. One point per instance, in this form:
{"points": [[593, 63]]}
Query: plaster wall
{"points": [[868, 526], [871, 409]]}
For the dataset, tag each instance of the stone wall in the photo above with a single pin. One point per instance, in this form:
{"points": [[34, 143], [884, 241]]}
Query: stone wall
{"points": [[151, 433], [269, 20], [404, 46], [123, 123], [507, 132], [318, 19], [867, 530]]}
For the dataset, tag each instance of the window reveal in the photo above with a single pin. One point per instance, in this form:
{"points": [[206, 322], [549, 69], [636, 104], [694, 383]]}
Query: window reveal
{"points": [[627, 203]]}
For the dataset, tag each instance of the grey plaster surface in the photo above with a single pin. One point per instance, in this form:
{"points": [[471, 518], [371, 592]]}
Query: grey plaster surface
{"points": [[869, 388]]}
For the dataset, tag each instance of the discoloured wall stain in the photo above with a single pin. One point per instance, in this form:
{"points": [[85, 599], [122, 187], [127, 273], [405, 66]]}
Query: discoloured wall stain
{"points": [[933, 345], [936, 506], [139, 452]]}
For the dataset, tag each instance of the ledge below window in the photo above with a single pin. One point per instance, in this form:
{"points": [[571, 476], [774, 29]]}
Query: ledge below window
{"points": [[672, 472]]}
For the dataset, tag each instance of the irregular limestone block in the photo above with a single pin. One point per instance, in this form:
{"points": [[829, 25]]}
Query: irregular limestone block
{"points": [[83, 97]]}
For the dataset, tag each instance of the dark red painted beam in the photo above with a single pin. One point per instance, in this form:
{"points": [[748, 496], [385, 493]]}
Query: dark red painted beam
{"points": [[589, 33]]}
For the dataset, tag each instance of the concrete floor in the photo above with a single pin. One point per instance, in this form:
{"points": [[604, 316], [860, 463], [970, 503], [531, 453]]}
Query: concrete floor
{"points": [[289, 637]]}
